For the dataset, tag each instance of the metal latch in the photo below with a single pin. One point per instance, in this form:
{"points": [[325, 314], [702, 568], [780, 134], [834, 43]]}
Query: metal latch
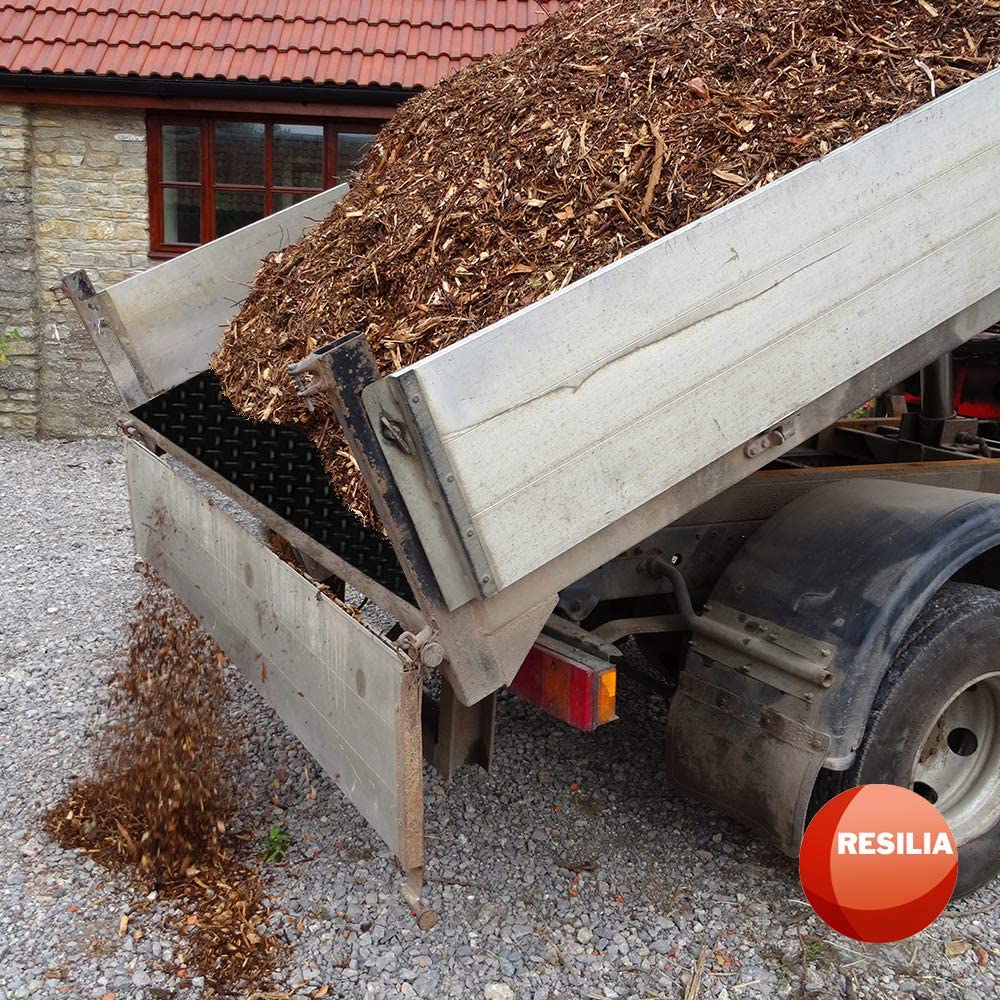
{"points": [[769, 439], [311, 363], [394, 431], [422, 647]]}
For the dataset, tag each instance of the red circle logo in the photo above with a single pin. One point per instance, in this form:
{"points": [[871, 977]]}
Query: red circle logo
{"points": [[878, 863]]}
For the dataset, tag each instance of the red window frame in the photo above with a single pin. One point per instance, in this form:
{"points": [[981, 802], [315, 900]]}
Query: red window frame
{"points": [[207, 184]]}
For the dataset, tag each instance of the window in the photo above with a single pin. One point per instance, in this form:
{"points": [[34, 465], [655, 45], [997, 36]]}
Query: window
{"points": [[210, 176]]}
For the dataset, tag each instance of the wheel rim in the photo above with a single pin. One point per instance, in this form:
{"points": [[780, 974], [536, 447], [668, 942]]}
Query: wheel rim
{"points": [[958, 768]]}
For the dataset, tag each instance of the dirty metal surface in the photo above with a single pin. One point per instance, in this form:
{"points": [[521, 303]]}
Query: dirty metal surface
{"points": [[347, 694], [277, 467]]}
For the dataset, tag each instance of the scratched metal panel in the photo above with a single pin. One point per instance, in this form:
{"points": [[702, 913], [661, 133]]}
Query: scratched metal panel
{"points": [[562, 419], [344, 691]]}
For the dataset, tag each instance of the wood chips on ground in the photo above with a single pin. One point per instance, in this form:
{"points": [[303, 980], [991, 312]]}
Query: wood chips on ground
{"points": [[161, 800]]}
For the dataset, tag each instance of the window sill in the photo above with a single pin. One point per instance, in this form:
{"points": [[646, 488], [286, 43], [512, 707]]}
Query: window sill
{"points": [[168, 254]]}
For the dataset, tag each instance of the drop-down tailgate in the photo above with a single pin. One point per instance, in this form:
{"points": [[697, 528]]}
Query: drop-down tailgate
{"points": [[349, 696]]}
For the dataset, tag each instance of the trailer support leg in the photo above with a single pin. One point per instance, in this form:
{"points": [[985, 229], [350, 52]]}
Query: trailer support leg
{"points": [[464, 733]]}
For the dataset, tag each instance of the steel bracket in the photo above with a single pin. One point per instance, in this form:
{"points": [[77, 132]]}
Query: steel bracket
{"points": [[774, 438], [792, 663]]}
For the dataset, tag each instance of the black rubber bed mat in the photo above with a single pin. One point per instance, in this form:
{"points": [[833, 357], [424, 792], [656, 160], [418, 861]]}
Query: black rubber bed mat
{"points": [[277, 466]]}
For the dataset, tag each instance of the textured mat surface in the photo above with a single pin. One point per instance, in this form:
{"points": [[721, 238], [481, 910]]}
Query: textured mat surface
{"points": [[276, 466]]}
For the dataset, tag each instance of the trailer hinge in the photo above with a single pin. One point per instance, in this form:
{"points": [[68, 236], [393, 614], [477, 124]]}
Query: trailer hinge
{"points": [[795, 664], [423, 647], [773, 438]]}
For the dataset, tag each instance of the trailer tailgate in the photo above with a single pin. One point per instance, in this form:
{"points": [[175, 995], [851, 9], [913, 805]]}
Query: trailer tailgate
{"points": [[350, 697]]}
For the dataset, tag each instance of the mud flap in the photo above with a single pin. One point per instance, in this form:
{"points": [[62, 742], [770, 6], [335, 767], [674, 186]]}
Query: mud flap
{"points": [[747, 761], [352, 698]]}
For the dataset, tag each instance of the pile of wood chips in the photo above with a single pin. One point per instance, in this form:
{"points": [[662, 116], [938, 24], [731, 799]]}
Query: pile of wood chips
{"points": [[161, 801], [610, 125]]}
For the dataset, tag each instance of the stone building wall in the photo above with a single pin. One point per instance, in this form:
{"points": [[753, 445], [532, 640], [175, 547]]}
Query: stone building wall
{"points": [[83, 204], [18, 276], [91, 207]]}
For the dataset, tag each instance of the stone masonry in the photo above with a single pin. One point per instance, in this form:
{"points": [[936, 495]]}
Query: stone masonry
{"points": [[18, 276], [72, 195]]}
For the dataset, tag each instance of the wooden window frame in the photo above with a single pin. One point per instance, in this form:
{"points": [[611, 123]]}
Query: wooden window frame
{"points": [[207, 184]]}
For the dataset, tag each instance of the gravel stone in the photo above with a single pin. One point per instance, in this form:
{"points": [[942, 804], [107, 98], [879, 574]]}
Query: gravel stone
{"points": [[571, 870], [498, 991]]}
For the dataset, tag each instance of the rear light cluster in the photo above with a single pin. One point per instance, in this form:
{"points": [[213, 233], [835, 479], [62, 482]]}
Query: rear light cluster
{"points": [[571, 685]]}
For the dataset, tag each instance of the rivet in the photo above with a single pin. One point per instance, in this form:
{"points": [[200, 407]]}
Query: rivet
{"points": [[469, 533], [414, 399], [485, 579], [449, 479]]}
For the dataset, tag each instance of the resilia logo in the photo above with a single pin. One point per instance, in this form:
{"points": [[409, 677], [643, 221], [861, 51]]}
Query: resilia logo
{"points": [[878, 863]]}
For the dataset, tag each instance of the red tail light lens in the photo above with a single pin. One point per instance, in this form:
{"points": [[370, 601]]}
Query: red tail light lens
{"points": [[572, 686]]}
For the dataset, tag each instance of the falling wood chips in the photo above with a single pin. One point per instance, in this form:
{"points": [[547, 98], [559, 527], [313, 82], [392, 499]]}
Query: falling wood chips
{"points": [[162, 800], [608, 126]]}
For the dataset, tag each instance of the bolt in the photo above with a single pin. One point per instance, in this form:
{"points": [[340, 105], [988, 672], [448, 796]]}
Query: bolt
{"points": [[824, 652], [432, 654], [817, 743], [809, 697], [722, 700]]}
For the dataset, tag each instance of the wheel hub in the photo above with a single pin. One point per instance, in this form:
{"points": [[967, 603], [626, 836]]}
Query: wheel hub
{"points": [[958, 767]]}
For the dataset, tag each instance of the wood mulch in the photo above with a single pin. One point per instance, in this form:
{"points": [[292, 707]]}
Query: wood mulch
{"points": [[610, 125]]}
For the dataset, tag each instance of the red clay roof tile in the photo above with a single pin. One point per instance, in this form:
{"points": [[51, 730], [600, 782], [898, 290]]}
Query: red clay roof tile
{"points": [[387, 43]]}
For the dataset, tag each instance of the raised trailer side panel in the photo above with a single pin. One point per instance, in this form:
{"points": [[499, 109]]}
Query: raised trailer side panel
{"points": [[349, 696], [160, 327], [560, 420]]}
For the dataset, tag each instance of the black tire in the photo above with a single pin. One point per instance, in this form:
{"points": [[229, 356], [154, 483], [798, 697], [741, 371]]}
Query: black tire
{"points": [[954, 642]]}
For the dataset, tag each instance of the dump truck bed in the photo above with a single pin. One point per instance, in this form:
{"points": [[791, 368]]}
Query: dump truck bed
{"points": [[515, 462], [535, 450]]}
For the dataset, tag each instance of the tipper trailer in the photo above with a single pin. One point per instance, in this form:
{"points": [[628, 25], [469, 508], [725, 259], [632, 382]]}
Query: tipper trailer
{"points": [[658, 450]]}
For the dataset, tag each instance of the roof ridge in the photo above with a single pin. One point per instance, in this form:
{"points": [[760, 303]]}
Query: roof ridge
{"points": [[408, 43], [433, 25], [26, 7]]}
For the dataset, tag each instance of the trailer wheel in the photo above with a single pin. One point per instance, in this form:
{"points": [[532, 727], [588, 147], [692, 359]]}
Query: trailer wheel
{"points": [[935, 724]]}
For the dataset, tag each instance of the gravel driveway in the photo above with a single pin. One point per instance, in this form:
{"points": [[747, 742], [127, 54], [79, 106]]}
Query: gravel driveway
{"points": [[571, 871]]}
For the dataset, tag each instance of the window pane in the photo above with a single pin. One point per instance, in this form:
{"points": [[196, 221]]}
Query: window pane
{"points": [[285, 199], [351, 146], [181, 152], [239, 153], [235, 209], [297, 156], [181, 215]]}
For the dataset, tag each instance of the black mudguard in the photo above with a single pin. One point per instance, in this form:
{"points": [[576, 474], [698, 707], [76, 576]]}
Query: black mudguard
{"points": [[839, 574]]}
